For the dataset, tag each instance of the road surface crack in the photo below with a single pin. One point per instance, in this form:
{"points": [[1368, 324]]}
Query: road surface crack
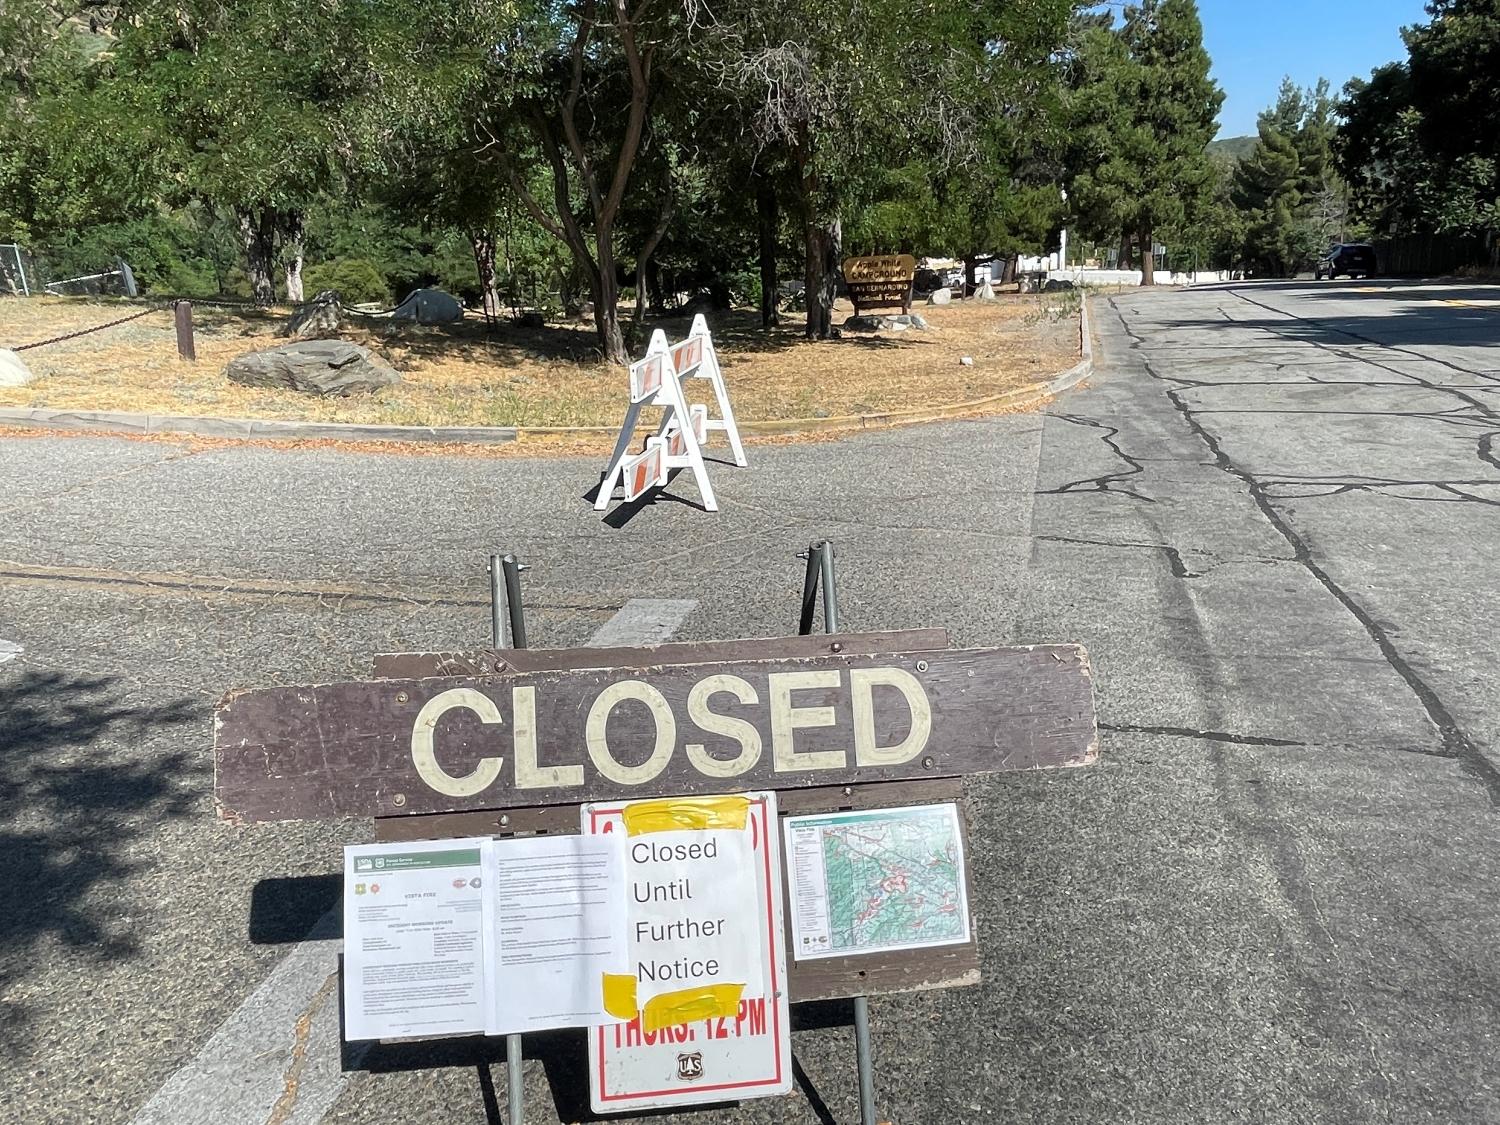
{"points": [[1174, 556], [1205, 735], [301, 1032], [1106, 482], [1456, 743]]}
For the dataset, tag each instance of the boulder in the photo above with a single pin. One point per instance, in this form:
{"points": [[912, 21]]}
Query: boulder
{"points": [[13, 373], [1057, 285], [986, 292], [910, 320], [318, 367], [941, 297], [429, 306], [319, 319], [876, 323]]}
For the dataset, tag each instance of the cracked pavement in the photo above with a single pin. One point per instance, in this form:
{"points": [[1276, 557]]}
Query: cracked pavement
{"points": [[1270, 516]]}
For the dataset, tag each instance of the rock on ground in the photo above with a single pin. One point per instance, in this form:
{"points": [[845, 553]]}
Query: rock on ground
{"points": [[941, 297], [13, 373], [320, 318], [866, 323], [319, 367]]}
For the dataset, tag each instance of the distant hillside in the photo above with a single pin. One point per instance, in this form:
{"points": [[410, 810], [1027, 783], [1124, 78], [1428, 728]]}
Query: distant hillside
{"points": [[1235, 148]]}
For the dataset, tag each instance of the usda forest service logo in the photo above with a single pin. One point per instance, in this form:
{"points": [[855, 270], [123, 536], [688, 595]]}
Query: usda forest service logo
{"points": [[690, 1066]]}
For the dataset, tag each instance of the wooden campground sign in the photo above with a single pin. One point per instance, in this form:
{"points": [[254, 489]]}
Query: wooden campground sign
{"points": [[880, 281], [567, 735]]}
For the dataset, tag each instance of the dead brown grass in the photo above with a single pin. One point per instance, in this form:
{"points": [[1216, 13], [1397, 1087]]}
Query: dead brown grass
{"points": [[540, 377]]}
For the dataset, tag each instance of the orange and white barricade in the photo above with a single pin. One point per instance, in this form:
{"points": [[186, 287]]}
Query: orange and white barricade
{"points": [[657, 380]]}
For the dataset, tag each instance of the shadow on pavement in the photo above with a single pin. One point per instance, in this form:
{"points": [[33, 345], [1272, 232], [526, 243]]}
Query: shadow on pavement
{"points": [[73, 808], [564, 1058], [1402, 313], [283, 910]]}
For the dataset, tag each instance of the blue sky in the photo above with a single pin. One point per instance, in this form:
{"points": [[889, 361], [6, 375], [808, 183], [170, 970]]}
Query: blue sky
{"points": [[1254, 43]]}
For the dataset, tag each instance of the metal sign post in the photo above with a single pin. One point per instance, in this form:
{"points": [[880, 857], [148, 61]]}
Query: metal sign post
{"points": [[820, 572], [505, 585]]}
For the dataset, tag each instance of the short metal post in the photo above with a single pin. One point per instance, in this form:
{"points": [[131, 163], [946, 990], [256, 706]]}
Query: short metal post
{"points": [[513, 601], [830, 588], [182, 312], [514, 1087], [864, 1057], [498, 605], [810, 589], [505, 589], [865, 1060]]}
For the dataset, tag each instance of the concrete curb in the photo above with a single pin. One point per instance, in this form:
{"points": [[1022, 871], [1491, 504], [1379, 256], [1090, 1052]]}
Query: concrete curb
{"points": [[191, 425], [120, 423]]}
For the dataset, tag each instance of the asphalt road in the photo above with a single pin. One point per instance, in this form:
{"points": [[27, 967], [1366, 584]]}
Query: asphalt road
{"points": [[1270, 516]]}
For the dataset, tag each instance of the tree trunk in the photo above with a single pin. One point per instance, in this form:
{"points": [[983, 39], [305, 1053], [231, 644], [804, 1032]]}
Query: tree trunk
{"points": [[1148, 257], [642, 290], [971, 265], [766, 218], [821, 280], [655, 288], [606, 289], [258, 239], [482, 243], [292, 256], [832, 243], [821, 239], [653, 240], [1126, 260]]}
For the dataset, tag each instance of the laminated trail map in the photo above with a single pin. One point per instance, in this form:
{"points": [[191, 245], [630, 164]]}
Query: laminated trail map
{"points": [[877, 880]]}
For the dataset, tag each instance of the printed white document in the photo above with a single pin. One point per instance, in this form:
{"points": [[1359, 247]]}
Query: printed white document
{"points": [[414, 959], [557, 926]]}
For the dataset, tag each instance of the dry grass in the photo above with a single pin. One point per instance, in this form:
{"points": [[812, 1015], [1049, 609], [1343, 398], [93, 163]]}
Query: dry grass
{"points": [[542, 377]]}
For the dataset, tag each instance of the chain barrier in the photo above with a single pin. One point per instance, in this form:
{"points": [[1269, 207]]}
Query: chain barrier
{"points": [[161, 305], [86, 331]]}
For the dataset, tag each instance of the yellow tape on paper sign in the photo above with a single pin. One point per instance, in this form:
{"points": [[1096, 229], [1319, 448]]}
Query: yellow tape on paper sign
{"points": [[672, 814], [688, 1004], [619, 995]]}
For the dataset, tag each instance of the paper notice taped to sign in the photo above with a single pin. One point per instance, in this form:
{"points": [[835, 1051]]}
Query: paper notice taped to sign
{"points": [[707, 979], [414, 959], [557, 928], [455, 937]]}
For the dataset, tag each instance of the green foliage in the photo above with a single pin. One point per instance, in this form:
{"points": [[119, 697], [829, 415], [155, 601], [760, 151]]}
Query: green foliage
{"points": [[358, 280], [183, 253], [1420, 139], [1289, 195], [1143, 108]]}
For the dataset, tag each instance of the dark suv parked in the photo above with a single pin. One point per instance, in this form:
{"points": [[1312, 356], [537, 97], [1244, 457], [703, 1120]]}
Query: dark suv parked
{"points": [[1347, 258]]}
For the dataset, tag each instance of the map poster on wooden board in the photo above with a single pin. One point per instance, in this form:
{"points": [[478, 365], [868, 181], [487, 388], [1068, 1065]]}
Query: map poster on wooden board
{"points": [[707, 993], [877, 881]]}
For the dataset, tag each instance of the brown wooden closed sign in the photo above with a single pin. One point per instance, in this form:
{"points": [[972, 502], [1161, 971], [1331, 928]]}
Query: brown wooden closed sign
{"points": [[394, 747]]}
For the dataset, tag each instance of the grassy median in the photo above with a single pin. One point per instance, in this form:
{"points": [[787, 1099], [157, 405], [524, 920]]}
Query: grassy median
{"points": [[550, 376]]}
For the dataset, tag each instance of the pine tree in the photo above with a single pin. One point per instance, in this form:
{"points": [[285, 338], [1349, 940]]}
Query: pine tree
{"points": [[1266, 191], [1144, 110]]}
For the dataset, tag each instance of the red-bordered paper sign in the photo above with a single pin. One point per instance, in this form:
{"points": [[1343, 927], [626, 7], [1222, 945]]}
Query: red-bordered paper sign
{"points": [[743, 1053]]}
